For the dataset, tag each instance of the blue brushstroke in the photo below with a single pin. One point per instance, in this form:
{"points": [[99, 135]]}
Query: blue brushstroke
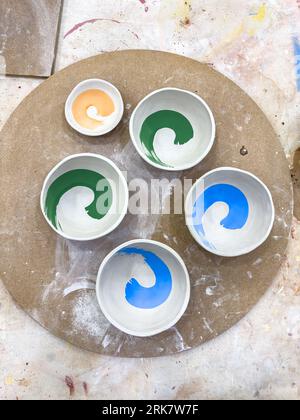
{"points": [[149, 297], [232, 196], [297, 61]]}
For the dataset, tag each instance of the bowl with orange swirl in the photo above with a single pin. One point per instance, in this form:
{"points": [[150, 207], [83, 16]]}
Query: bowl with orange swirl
{"points": [[94, 107]]}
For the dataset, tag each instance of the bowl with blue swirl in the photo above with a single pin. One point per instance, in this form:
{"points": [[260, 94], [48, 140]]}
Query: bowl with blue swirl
{"points": [[172, 129], [229, 212], [143, 287]]}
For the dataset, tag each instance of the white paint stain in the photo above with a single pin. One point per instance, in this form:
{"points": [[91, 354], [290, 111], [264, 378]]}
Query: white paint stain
{"points": [[207, 326], [169, 79], [80, 285], [87, 317], [248, 118], [238, 127], [258, 261], [210, 291], [180, 344]]}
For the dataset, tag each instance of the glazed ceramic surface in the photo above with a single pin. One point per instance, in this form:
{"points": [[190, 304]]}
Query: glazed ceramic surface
{"points": [[94, 107], [143, 287], [229, 212], [84, 197], [172, 129]]}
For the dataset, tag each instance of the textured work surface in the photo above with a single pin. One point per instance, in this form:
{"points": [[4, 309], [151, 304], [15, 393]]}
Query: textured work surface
{"points": [[40, 277], [259, 357], [28, 30]]}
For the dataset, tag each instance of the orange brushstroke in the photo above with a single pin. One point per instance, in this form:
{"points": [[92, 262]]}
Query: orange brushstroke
{"points": [[93, 97]]}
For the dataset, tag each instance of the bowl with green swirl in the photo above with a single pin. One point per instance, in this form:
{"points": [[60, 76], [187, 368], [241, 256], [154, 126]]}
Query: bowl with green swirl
{"points": [[172, 129], [84, 197]]}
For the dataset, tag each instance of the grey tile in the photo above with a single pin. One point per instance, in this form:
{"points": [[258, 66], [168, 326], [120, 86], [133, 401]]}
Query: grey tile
{"points": [[28, 33]]}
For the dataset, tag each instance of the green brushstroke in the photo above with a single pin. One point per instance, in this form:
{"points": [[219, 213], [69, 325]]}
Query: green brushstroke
{"points": [[165, 119], [79, 178]]}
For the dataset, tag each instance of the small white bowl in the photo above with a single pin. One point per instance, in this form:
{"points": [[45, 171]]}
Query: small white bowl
{"points": [[229, 212], [109, 122], [85, 197], [172, 129], [143, 287]]}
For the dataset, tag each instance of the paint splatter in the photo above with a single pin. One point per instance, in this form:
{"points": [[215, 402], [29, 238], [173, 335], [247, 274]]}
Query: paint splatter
{"points": [[143, 2], [297, 61], [256, 19], [85, 388], [185, 22], [250, 25], [261, 14], [134, 34], [86, 22], [9, 380], [70, 384], [183, 13], [23, 382], [92, 21]]}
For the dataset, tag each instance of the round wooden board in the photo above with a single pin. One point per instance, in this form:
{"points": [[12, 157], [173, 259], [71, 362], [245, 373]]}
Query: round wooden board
{"points": [[40, 269]]}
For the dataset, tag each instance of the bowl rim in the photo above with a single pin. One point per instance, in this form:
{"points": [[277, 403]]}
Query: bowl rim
{"points": [[121, 178], [182, 167], [249, 248], [185, 302], [86, 131]]}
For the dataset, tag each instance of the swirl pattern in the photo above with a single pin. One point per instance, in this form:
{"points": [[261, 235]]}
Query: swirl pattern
{"points": [[161, 120], [148, 297], [229, 201], [92, 180], [92, 107]]}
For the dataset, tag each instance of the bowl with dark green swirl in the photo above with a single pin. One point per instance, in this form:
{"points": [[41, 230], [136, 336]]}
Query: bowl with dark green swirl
{"points": [[173, 129], [84, 197]]}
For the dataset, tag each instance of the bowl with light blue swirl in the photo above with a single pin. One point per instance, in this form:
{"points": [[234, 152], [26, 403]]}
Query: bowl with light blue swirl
{"points": [[172, 129], [143, 287], [229, 212]]}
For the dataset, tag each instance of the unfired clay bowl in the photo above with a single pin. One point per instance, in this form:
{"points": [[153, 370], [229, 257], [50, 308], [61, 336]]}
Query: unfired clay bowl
{"points": [[84, 197], [94, 107], [229, 212], [143, 287], [172, 129]]}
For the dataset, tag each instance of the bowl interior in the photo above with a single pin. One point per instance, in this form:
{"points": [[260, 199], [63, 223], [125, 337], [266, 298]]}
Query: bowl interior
{"points": [[230, 212], [94, 107], [84, 197], [143, 288], [173, 129]]}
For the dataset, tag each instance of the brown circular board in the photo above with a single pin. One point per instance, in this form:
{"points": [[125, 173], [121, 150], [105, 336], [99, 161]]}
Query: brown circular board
{"points": [[48, 276]]}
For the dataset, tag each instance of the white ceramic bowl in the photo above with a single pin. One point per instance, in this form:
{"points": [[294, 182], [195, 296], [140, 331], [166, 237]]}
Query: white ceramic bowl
{"points": [[84, 197], [108, 122], [172, 129], [143, 287], [229, 212]]}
